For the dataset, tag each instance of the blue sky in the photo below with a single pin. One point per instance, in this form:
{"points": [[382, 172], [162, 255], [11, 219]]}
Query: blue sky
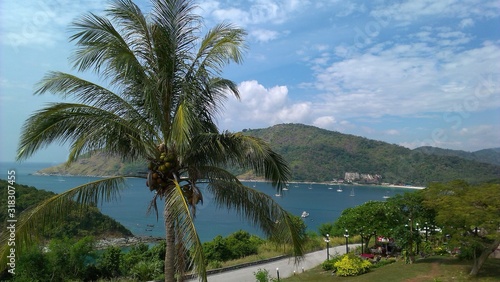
{"points": [[411, 73]]}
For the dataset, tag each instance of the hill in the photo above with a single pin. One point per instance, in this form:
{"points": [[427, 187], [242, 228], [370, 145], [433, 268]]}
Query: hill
{"points": [[489, 156], [316, 154], [319, 155], [97, 164], [90, 222]]}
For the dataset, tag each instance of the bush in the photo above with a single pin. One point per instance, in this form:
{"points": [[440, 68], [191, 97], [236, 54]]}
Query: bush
{"points": [[109, 262], [328, 265], [262, 275], [440, 251], [146, 270], [383, 262], [351, 265]]}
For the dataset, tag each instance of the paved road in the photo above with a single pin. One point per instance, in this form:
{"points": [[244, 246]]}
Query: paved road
{"points": [[286, 267]]}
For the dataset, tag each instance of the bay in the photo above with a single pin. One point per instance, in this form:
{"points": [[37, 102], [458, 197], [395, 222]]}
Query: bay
{"points": [[322, 201]]}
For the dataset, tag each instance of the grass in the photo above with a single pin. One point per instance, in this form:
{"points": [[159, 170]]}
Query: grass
{"points": [[269, 250], [438, 268]]}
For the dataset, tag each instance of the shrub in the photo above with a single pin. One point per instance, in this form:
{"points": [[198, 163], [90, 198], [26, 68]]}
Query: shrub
{"points": [[262, 275], [440, 251], [351, 265], [328, 265], [109, 262], [146, 270], [383, 262]]}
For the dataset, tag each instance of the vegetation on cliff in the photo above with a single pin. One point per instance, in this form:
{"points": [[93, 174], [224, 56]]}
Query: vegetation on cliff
{"points": [[89, 223]]}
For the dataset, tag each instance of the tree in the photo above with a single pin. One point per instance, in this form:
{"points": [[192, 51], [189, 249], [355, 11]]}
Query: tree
{"points": [[161, 90], [470, 214], [366, 220], [410, 214]]}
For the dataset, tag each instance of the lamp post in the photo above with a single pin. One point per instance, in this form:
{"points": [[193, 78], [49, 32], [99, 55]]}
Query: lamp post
{"points": [[426, 231], [362, 247], [327, 240], [418, 238], [346, 235], [278, 273]]}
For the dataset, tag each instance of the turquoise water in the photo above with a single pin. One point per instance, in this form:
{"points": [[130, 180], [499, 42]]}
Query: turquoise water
{"points": [[321, 201]]}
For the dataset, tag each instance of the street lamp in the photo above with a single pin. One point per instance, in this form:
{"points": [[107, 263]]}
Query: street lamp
{"points": [[426, 230], [327, 240], [346, 235], [278, 273], [362, 247]]}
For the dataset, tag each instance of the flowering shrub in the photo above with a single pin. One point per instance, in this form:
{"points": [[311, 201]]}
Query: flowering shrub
{"points": [[351, 265], [440, 251]]}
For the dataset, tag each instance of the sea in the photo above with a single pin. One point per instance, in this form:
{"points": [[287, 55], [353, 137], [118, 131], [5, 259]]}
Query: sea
{"points": [[323, 202]]}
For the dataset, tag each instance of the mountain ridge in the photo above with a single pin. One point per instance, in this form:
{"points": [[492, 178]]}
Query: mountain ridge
{"points": [[320, 155]]}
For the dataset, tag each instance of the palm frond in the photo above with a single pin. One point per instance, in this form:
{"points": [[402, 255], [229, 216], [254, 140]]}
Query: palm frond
{"points": [[87, 127], [31, 223], [243, 151], [177, 207], [101, 47], [260, 209], [221, 45]]}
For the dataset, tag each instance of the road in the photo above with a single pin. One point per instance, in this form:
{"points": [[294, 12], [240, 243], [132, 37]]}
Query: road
{"points": [[286, 267]]}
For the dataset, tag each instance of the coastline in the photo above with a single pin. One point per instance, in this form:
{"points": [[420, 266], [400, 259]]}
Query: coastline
{"points": [[385, 185], [126, 241]]}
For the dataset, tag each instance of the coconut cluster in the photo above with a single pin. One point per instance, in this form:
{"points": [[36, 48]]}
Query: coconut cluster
{"points": [[160, 170]]}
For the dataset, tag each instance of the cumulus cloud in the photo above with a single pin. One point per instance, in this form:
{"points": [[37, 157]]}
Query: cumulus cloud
{"points": [[257, 13], [264, 35], [261, 107], [324, 121]]}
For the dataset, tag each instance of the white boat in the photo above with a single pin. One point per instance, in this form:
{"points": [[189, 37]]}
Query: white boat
{"points": [[304, 214], [277, 194], [339, 189], [386, 196], [330, 188], [352, 193]]}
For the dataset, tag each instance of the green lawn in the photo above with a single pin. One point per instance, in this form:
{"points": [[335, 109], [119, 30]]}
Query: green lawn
{"points": [[430, 269]]}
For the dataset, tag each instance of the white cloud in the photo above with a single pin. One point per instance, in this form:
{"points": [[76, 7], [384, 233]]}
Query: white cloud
{"points": [[40, 23], [264, 35], [262, 107], [466, 23], [409, 79], [410, 11], [258, 12], [324, 122], [392, 132]]}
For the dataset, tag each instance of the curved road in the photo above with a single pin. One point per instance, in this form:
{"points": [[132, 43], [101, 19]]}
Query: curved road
{"points": [[286, 267]]}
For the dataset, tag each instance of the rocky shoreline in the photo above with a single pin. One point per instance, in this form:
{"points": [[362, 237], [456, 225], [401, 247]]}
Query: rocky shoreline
{"points": [[126, 241]]}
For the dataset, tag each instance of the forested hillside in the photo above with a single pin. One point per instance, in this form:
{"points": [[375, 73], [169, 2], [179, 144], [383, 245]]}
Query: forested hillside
{"points": [[316, 154], [489, 156], [90, 222]]}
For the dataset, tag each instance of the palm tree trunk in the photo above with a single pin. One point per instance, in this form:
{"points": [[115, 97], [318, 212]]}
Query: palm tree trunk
{"points": [[478, 262], [170, 246]]}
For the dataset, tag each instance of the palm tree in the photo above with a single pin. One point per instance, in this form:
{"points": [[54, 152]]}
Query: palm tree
{"points": [[162, 93]]}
